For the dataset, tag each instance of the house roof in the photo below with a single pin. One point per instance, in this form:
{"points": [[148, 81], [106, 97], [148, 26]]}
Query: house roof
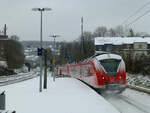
{"points": [[120, 40]]}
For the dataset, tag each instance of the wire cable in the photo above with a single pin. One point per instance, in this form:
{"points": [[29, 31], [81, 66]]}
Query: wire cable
{"points": [[138, 18], [136, 12]]}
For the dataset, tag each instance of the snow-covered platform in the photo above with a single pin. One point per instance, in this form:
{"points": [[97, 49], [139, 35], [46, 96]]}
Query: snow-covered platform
{"points": [[65, 95]]}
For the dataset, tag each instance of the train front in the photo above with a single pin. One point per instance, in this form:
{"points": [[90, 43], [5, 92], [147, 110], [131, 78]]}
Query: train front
{"points": [[111, 72]]}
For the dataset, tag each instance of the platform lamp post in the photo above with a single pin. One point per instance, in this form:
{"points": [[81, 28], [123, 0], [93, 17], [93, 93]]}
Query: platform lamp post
{"points": [[41, 49], [54, 57]]}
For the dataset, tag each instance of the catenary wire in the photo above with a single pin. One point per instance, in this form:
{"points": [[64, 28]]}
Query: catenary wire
{"points": [[136, 12], [137, 18]]}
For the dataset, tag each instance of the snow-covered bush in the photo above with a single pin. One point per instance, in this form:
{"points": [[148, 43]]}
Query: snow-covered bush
{"points": [[32, 61], [24, 69], [3, 64], [138, 80]]}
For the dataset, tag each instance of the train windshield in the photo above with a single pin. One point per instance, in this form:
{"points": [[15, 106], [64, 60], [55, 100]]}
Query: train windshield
{"points": [[110, 66]]}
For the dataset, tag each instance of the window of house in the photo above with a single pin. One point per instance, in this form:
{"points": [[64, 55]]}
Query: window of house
{"points": [[98, 47], [140, 46]]}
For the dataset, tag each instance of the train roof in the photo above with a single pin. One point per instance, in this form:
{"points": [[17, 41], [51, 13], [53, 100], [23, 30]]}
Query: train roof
{"points": [[108, 56]]}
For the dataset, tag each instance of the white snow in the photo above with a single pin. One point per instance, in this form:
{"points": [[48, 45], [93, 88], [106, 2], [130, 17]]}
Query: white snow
{"points": [[139, 98], [65, 95], [138, 80], [24, 69], [120, 40], [32, 57], [130, 101], [3, 64], [108, 56]]}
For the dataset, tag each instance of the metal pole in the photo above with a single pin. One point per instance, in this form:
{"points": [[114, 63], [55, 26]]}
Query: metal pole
{"points": [[54, 62], [41, 55], [82, 39], [2, 101], [41, 9], [45, 69], [54, 57]]}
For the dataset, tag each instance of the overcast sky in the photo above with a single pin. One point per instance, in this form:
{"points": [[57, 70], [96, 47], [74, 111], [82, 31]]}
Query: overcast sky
{"points": [[64, 19]]}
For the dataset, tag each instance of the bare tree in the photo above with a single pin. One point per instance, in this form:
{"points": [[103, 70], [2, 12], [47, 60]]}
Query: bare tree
{"points": [[131, 33], [14, 54], [119, 30], [14, 37], [111, 32], [88, 44], [142, 34], [100, 31]]}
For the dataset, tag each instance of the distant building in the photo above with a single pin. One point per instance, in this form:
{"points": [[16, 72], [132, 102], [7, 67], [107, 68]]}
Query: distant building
{"points": [[136, 45], [2, 42], [3, 37]]}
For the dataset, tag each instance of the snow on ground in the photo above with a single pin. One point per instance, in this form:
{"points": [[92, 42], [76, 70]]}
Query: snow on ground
{"points": [[130, 101], [140, 97], [139, 80], [3, 64], [65, 95], [32, 57]]}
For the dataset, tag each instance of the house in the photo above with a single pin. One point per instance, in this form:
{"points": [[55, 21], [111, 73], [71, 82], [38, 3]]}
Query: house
{"points": [[3, 39], [135, 45]]}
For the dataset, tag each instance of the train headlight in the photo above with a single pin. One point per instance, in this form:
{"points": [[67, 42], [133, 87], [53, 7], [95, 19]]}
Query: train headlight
{"points": [[120, 77]]}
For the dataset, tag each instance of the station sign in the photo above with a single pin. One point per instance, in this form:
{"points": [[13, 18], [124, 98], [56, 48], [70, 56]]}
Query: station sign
{"points": [[54, 60], [40, 51]]}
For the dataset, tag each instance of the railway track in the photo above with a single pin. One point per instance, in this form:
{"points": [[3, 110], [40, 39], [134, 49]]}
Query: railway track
{"points": [[123, 103], [138, 88], [126, 104], [6, 80]]}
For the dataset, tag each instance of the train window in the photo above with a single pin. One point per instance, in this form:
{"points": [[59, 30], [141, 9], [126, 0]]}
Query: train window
{"points": [[110, 66], [84, 70]]}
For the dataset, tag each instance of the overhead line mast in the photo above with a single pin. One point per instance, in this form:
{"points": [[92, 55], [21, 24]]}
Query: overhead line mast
{"points": [[82, 39]]}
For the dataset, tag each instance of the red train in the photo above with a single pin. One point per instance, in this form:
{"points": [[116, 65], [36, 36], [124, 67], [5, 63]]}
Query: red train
{"points": [[102, 71]]}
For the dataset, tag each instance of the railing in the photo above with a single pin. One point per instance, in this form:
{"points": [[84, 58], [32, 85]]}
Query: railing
{"points": [[6, 80]]}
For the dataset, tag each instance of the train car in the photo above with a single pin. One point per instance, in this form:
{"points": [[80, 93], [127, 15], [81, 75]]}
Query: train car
{"points": [[102, 72]]}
